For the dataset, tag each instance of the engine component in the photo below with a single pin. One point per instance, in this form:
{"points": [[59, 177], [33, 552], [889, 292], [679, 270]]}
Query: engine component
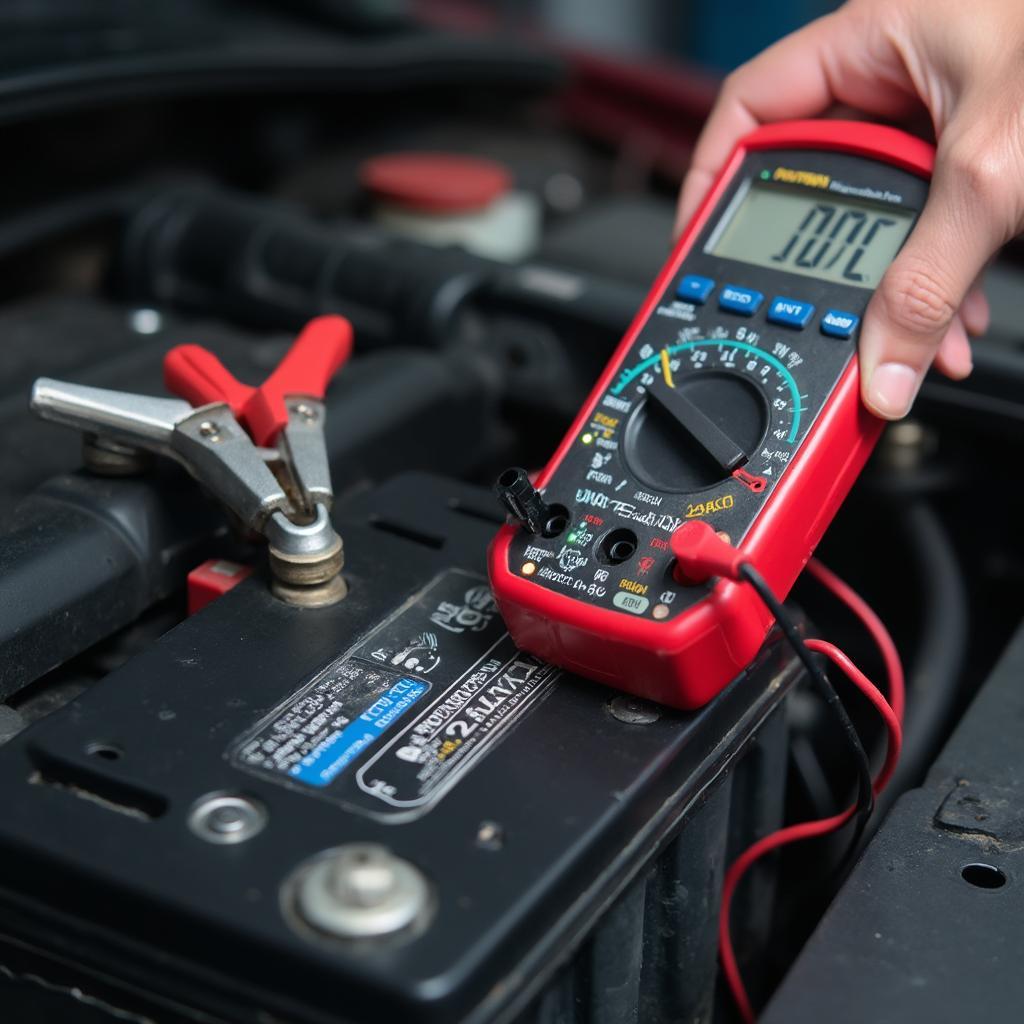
{"points": [[259, 262], [453, 199]]}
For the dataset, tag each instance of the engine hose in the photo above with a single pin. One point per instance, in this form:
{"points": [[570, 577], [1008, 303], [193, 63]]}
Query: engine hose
{"points": [[35, 226], [933, 684]]}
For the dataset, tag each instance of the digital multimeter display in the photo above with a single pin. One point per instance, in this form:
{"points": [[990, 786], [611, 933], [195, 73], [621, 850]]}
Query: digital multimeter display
{"points": [[842, 240]]}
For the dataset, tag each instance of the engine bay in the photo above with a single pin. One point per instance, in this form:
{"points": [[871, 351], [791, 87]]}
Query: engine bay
{"points": [[175, 846]]}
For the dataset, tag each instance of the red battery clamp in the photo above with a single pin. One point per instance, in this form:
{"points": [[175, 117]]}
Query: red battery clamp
{"points": [[733, 400]]}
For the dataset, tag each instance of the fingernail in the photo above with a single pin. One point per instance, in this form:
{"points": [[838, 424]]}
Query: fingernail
{"points": [[892, 390]]}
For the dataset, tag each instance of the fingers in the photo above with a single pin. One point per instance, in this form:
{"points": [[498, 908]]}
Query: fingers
{"points": [[954, 355], [975, 311], [886, 63], [696, 184], [786, 81], [841, 58], [915, 312]]}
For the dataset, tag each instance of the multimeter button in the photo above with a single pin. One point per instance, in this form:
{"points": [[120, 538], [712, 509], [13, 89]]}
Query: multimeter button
{"points": [[694, 288], [790, 312], [630, 602], [744, 301], [837, 324]]}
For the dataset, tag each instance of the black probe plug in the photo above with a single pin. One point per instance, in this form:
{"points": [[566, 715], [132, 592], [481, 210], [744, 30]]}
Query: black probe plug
{"points": [[525, 504]]}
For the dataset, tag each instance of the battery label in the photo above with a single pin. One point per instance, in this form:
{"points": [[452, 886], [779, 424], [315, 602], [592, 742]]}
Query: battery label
{"points": [[428, 757], [390, 726], [322, 764], [331, 722]]}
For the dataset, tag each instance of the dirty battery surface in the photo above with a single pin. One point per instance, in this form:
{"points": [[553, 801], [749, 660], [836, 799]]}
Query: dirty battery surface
{"points": [[376, 811]]}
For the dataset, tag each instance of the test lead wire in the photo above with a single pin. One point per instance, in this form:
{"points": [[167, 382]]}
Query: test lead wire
{"points": [[701, 554], [865, 795]]}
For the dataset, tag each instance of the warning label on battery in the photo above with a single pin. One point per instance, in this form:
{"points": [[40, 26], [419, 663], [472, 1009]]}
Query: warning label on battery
{"points": [[340, 715], [427, 756], [394, 723]]}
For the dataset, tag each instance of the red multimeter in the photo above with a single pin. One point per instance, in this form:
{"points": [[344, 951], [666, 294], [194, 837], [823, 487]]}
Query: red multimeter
{"points": [[734, 400]]}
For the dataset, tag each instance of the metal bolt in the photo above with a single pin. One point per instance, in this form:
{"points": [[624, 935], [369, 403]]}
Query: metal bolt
{"points": [[362, 881], [564, 192], [110, 458], [210, 430], [225, 818], [306, 561], [634, 711], [145, 321], [907, 444], [307, 412], [490, 835], [361, 890]]}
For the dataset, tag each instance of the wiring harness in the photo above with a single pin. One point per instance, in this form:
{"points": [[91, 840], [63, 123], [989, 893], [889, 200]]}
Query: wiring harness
{"points": [[701, 554]]}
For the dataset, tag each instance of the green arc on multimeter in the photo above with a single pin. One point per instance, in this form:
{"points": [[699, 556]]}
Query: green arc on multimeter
{"points": [[628, 376]]}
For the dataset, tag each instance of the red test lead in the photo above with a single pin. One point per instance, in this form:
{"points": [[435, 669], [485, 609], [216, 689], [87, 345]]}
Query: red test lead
{"points": [[701, 553]]}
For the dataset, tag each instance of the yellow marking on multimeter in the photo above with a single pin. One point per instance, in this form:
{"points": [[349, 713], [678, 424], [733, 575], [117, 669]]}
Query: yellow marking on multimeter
{"points": [[666, 370], [809, 178]]}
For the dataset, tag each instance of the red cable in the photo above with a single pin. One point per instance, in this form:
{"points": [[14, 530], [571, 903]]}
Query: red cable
{"points": [[873, 624], [701, 553], [811, 829]]}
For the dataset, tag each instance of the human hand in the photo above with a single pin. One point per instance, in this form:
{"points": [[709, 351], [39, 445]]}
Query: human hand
{"points": [[962, 65]]}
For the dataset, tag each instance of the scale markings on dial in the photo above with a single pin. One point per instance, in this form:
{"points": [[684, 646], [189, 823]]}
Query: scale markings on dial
{"points": [[628, 376]]}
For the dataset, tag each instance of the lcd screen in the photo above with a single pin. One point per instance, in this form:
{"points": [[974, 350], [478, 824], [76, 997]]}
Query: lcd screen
{"points": [[848, 241]]}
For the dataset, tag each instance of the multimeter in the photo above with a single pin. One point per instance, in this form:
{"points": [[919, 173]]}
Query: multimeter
{"points": [[732, 400]]}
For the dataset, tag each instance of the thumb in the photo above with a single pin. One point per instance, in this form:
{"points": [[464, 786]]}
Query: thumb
{"points": [[918, 300]]}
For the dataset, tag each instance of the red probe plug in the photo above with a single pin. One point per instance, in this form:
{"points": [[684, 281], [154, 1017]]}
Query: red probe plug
{"points": [[701, 553]]}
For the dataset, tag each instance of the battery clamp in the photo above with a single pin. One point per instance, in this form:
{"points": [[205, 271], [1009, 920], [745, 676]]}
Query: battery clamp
{"points": [[260, 451], [728, 419]]}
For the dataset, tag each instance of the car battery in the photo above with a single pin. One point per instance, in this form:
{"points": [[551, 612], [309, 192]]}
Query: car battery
{"points": [[380, 810]]}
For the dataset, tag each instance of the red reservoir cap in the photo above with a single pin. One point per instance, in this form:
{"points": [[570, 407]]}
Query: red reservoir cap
{"points": [[435, 182]]}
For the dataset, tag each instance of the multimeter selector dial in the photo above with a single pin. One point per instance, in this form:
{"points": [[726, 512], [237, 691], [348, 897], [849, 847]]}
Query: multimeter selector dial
{"points": [[694, 435], [711, 404]]}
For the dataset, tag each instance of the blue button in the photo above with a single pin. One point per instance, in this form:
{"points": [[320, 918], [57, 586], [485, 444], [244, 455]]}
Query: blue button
{"points": [[837, 324], [694, 288], [790, 312], [744, 301]]}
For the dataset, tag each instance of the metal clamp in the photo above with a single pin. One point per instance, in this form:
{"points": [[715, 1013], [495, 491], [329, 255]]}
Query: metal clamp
{"points": [[285, 418]]}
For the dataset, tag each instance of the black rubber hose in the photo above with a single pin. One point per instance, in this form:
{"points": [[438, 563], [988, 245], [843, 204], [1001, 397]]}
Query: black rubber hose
{"points": [[933, 686], [27, 228]]}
